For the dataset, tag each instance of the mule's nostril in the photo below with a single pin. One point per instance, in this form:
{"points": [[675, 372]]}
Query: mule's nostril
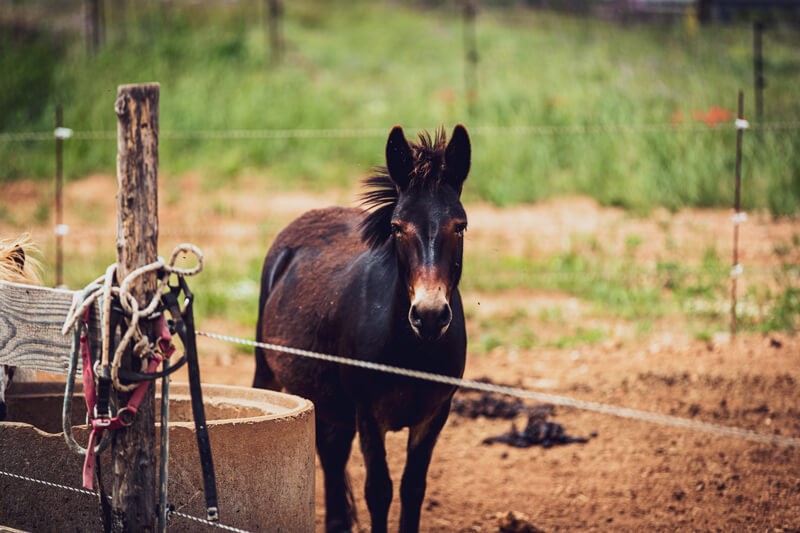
{"points": [[430, 322], [444, 316], [416, 320]]}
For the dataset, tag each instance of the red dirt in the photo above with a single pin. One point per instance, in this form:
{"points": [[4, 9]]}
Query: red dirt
{"points": [[633, 475]]}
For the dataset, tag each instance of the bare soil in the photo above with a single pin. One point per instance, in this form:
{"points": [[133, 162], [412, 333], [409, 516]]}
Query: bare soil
{"points": [[630, 475]]}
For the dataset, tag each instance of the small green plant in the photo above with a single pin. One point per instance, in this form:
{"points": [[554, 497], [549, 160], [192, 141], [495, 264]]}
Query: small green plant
{"points": [[42, 213], [581, 336]]}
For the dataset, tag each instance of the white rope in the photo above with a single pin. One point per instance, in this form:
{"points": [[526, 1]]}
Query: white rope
{"points": [[623, 412], [90, 493], [334, 133], [48, 483], [131, 305], [208, 523]]}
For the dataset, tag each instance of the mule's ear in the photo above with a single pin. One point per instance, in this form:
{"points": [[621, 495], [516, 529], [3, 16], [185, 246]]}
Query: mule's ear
{"points": [[457, 157], [399, 160], [18, 256]]}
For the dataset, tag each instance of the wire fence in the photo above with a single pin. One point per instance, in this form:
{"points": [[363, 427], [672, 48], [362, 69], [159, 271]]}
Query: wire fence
{"points": [[564, 401], [86, 492], [345, 133]]}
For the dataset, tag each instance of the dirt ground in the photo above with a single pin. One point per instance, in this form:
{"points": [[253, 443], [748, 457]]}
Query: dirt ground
{"points": [[630, 475]]}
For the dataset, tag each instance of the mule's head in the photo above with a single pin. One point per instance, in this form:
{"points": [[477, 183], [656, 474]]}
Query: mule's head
{"points": [[418, 214]]}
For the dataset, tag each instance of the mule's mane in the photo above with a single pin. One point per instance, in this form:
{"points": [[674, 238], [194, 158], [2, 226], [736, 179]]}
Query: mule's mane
{"points": [[381, 195], [12, 251]]}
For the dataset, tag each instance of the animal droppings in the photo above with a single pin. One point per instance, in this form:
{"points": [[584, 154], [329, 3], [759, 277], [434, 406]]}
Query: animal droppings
{"points": [[515, 522], [538, 432]]}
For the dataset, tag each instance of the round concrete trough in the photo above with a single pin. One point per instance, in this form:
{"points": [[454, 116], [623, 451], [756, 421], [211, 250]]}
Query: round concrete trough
{"points": [[262, 442]]}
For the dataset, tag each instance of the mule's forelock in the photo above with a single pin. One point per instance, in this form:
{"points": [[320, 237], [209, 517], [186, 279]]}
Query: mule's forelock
{"points": [[422, 167]]}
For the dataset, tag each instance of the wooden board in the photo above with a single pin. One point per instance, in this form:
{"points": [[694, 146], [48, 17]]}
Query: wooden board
{"points": [[31, 319]]}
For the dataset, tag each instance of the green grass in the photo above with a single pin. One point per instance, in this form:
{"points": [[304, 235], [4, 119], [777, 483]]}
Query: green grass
{"points": [[372, 65], [618, 287]]}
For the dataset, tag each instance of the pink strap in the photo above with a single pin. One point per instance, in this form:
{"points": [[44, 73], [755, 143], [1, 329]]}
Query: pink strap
{"points": [[100, 425], [165, 337], [89, 392], [88, 463]]}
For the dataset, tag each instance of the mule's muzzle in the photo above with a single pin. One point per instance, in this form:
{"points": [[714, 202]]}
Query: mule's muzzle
{"points": [[430, 321]]}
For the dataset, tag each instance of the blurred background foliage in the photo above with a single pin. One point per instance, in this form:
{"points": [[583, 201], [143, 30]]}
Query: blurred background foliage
{"points": [[358, 64]]}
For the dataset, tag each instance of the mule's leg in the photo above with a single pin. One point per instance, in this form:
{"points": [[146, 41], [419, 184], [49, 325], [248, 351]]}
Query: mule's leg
{"points": [[265, 377], [421, 440], [378, 487], [333, 447]]}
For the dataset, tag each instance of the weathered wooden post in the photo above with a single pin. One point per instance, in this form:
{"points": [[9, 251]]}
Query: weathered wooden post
{"points": [[133, 448]]}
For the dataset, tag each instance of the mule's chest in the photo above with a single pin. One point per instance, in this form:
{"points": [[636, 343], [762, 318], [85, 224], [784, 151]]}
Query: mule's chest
{"points": [[399, 401]]}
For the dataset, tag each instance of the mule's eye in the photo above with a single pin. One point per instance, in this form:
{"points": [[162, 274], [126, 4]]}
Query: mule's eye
{"points": [[459, 229], [397, 231]]}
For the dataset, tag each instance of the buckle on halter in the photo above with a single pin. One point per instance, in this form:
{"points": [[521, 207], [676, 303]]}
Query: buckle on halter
{"points": [[126, 416], [103, 418], [101, 422], [212, 514]]}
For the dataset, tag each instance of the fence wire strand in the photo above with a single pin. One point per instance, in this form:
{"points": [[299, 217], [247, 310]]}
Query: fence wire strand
{"points": [[91, 493], [564, 401], [348, 133]]}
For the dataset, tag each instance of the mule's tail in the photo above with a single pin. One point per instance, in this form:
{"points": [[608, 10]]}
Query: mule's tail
{"points": [[273, 269]]}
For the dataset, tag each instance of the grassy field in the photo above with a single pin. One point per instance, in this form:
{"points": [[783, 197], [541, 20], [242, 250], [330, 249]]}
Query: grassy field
{"points": [[372, 65]]}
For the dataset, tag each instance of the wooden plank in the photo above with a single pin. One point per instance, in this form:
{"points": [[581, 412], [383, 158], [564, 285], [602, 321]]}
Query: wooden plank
{"points": [[31, 319]]}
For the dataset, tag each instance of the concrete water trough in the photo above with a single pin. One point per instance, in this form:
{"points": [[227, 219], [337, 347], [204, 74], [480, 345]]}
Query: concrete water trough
{"points": [[262, 442]]}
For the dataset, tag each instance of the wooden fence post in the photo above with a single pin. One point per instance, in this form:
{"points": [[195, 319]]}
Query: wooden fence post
{"points": [[758, 69], [737, 205], [94, 21], [133, 449]]}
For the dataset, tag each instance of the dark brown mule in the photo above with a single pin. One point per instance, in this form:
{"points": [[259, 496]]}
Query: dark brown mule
{"points": [[376, 286]]}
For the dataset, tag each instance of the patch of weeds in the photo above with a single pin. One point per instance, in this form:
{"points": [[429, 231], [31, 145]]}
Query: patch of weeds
{"points": [[703, 335], [670, 275], [644, 327], [778, 308], [518, 314], [7, 217], [242, 349], [632, 243], [42, 213], [581, 336], [488, 342], [221, 208], [511, 331], [551, 314]]}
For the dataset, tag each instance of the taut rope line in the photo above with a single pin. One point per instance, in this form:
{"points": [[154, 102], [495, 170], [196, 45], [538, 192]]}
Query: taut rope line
{"points": [[622, 412]]}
